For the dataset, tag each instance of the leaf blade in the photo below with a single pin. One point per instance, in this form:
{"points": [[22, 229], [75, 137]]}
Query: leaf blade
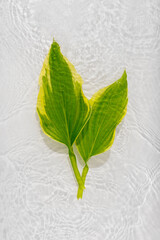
{"points": [[109, 106], [61, 105]]}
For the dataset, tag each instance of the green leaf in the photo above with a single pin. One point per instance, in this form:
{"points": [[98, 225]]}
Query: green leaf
{"points": [[109, 106], [61, 105]]}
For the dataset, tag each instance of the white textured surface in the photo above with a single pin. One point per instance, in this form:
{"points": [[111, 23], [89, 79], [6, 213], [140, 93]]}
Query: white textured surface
{"points": [[37, 187]]}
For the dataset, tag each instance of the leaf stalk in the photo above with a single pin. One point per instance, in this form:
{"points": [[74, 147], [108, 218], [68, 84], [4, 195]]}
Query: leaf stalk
{"points": [[75, 168], [84, 174]]}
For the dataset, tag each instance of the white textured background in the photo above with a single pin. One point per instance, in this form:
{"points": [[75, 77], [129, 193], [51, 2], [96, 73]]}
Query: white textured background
{"points": [[37, 187]]}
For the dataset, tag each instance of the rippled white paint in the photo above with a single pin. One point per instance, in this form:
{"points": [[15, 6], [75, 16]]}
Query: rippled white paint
{"points": [[37, 187]]}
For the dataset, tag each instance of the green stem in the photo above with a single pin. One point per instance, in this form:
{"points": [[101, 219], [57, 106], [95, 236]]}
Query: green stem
{"points": [[75, 168], [84, 174]]}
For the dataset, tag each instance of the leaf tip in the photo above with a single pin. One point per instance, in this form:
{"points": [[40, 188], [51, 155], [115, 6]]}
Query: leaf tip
{"points": [[54, 46], [123, 79], [124, 74]]}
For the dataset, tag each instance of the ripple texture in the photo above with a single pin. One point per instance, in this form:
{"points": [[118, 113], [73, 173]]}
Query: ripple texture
{"points": [[37, 187]]}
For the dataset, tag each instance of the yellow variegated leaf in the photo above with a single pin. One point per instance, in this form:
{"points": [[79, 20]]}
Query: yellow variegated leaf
{"points": [[109, 106], [61, 105]]}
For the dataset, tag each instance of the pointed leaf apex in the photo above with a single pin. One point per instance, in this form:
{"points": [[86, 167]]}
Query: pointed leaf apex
{"points": [[124, 74]]}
